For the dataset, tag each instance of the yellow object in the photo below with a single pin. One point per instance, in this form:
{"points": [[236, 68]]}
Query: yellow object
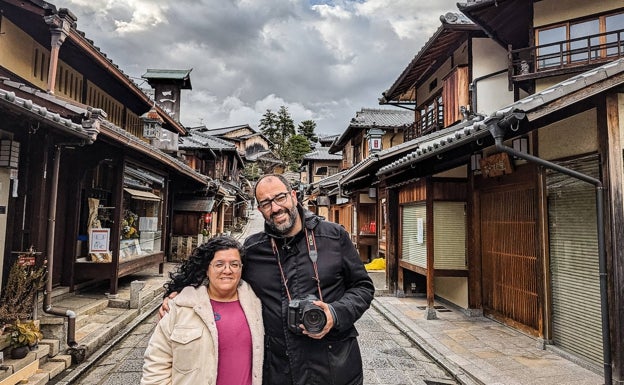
{"points": [[376, 264]]}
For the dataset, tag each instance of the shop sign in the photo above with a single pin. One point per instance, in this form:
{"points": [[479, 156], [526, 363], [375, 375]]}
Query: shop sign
{"points": [[99, 240], [496, 165]]}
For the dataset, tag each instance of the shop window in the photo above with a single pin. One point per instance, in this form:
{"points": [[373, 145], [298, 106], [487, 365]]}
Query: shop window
{"points": [[141, 224], [321, 170]]}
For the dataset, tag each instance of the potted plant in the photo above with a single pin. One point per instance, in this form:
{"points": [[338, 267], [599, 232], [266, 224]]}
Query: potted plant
{"points": [[25, 279], [24, 336], [18, 301]]}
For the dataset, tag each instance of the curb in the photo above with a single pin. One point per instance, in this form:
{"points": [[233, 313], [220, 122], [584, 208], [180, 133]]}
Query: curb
{"points": [[458, 373], [76, 372]]}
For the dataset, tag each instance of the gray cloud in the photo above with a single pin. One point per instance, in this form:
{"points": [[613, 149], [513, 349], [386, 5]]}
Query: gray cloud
{"points": [[323, 60]]}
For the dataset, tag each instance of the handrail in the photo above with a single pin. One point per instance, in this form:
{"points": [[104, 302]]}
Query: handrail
{"points": [[526, 60]]}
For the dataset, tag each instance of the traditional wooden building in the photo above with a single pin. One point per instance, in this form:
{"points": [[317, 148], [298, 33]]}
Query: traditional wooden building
{"points": [[212, 212], [96, 181], [453, 75], [317, 165], [526, 194], [356, 205], [252, 146]]}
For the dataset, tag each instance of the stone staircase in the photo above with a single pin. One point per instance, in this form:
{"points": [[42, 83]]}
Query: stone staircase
{"points": [[100, 318]]}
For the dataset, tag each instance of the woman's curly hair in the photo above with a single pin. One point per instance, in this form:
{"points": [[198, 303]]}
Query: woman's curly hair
{"points": [[192, 272]]}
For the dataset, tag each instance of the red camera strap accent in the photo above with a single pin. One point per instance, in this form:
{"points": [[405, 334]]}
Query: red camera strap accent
{"points": [[312, 253]]}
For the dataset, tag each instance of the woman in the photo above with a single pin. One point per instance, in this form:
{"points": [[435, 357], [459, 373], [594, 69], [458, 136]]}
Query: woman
{"points": [[213, 333]]}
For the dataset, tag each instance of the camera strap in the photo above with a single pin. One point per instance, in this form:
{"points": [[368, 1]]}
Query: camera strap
{"points": [[312, 253]]}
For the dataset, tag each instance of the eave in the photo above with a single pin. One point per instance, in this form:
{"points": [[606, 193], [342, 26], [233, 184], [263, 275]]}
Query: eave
{"points": [[126, 140], [440, 46], [508, 22], [29, 15], [456, 146]]}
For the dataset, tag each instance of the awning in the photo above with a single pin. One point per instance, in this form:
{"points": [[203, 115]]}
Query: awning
{"points": [[200, 204], [142, 195]]}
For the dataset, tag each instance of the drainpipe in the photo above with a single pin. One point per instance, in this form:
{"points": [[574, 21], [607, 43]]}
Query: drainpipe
{"points": [[498, 132], [60, 25], [47, 301]]}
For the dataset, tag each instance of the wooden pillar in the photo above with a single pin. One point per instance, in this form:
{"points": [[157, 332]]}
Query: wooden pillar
{"points": [[392, 242], [165, 225], [395, 218], [431, 313], [116, 230], [474, 246], [612, 171]]}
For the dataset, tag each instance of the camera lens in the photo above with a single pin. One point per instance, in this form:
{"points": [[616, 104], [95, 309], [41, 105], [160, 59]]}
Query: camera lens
{"points": [[314, 320]]}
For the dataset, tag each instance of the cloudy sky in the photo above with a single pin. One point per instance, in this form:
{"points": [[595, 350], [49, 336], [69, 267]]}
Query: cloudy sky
{"points": [[323, 60]]}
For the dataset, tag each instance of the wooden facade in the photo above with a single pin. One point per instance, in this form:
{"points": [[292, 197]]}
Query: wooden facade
{"points": [[88, 166], [511, 265], [532, 232]]}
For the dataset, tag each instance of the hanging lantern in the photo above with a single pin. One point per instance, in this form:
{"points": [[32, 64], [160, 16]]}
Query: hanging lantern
{"points": [[152, 124], [207, 217], [374, 139]]}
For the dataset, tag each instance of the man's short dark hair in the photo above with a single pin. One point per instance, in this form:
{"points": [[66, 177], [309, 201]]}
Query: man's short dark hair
{"points": [[278, 176]]}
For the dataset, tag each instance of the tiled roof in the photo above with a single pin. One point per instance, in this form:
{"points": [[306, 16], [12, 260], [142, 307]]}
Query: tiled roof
{"points": [[111, 130], [382, 118], [327, 138], [84, 130], [221, 130], [534, 106], [388, 119], [26, 106], [451, 33], [331, 180], [322, 153], [325, 183], [88, 47], [197, 139], [166, 74], [261, 155], [374, 162], [181, 77]]}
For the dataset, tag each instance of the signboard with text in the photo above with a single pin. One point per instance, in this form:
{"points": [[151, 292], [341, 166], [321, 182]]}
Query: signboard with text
{"points": [[99, 240]]}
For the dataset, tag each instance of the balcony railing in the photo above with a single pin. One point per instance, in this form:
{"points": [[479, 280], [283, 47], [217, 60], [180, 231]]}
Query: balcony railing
{"points": [[565, 56], [417, 129]]}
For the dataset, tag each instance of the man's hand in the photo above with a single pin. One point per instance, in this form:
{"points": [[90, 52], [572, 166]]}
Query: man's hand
{"points": [[328, 325], [164, 307]]}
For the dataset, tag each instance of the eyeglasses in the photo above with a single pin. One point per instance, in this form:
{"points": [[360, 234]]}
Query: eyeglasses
{"points": [[219, 266], [279, 199]]}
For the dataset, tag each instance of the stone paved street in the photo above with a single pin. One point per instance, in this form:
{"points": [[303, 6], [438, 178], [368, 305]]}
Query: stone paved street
{"points": [[389, 357], [394, 333]]}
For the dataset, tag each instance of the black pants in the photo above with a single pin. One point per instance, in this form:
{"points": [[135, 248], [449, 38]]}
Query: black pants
{"points": [[316, 362]]}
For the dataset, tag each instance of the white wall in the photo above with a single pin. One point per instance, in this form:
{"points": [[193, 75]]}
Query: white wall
{"points": [[493, 92], [572, 136], [553, 11]]}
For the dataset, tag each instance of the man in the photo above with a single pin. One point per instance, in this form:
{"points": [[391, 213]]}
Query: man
{"points": [[298, 255]]}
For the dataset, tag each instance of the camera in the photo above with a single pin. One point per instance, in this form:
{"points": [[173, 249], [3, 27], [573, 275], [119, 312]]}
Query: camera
{"points": [[303, 311]]}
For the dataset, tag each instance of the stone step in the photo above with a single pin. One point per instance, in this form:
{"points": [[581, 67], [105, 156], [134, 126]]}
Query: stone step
{"points": [[99, 319], [102, 327]]}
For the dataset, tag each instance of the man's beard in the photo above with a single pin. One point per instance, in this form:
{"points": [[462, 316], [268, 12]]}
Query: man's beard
{"points": [[284, 227]]}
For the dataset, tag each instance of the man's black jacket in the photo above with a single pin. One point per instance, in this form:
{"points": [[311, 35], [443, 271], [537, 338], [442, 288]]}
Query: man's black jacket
{"points": [[345, 285]]}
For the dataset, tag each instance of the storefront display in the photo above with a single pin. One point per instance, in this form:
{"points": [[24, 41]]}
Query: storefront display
{"points": [[141, 223]]}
